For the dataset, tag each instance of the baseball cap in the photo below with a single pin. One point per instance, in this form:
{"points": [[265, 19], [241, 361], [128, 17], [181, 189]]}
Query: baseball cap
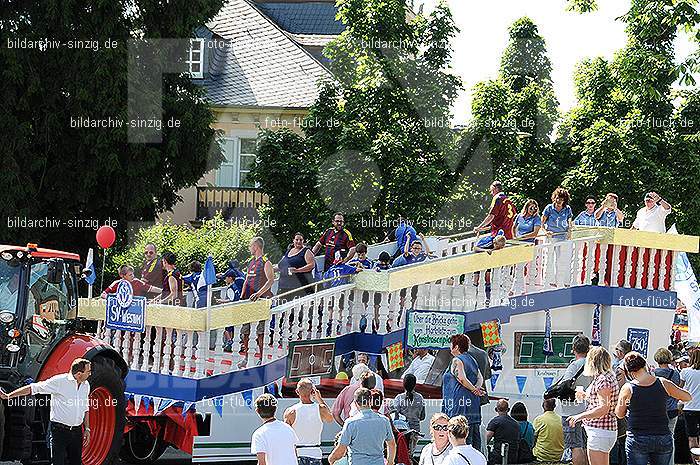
{"points": [[230, 273], [648, 196]]}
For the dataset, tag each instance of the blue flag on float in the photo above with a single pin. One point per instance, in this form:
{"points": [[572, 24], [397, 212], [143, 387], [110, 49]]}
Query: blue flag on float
{"points": [[595, 330], [146, 402], [521, 383], [547, 382], [496, 362], [687, 290], [248, 398], [185, 407], [90, 265], [494, 379], [208, 275], [547, 343], [219, 406]]}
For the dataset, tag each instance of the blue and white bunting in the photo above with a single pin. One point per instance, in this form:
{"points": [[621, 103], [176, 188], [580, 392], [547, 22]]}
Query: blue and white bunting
{"points": [[521, 380]]}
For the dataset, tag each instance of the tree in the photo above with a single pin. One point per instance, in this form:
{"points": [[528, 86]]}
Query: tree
{"points": [[514, 116], [377, 142], [52, 169], [625, 135]]}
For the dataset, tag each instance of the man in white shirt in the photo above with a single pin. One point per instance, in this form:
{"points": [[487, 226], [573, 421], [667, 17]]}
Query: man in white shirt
{"points": [[420, 366], [652, 217], [274, 443], [69, 407], [307, 418], [379, 382]]}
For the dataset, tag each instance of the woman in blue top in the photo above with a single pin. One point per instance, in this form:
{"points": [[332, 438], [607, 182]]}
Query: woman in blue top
{"points": [[556, 217], [528, 222], [556, 221], [461, 388]]}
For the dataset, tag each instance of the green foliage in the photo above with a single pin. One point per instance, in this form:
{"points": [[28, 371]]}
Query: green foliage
{"points": [[625, 135], [516, 114], [379, 142], [582, 6], [51, 169], [221, 239]]}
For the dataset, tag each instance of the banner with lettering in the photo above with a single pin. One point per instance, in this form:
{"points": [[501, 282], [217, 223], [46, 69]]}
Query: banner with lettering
{"points": [[432, 329]]}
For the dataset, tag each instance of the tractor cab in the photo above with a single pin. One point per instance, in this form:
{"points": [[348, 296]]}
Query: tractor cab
{"points": [[38, 307]]}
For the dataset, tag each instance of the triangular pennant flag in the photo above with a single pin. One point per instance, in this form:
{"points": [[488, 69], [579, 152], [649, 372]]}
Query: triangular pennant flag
{"points": [[146, 402], [137, 403], [163, 405], [494, 378], [248, 398], [185, 407], [219, 406], [521, 382], [547, 381]]}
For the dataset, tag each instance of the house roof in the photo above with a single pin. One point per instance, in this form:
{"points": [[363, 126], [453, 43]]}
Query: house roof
{"points": [[260, 66], [304, 18]]}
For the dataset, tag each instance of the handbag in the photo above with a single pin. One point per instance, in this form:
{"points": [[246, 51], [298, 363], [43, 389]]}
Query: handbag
{"points": [[563, 389]]}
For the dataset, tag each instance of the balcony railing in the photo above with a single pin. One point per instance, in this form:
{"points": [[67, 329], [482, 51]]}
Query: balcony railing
{"points": [[232, 202], [188, 342]]}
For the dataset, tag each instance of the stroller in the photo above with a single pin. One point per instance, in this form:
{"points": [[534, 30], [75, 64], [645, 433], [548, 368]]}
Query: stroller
{"points": [[405, 437]]}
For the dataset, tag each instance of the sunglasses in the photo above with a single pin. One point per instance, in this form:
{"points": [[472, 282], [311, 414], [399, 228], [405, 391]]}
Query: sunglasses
{"points": [[149, 253], [590, 203], [440, 427]]}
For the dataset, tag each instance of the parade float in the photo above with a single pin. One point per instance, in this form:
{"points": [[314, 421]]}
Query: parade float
{"points": [[185, 390]]}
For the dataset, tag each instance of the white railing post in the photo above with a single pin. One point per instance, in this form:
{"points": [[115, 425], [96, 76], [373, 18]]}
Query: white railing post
{"points": [[652, 269], [628, 267], [640, 267], [615, 265]]}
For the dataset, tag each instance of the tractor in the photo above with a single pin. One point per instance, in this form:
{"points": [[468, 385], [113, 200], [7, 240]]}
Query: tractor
{"points": [[40, 335]]}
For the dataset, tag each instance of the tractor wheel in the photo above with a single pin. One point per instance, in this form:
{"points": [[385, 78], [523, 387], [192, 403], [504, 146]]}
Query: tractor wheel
{"points": [[107, 413], [18, 431], [140, 447]]}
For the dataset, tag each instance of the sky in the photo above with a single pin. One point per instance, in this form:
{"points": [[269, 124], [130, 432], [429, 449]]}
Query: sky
{"points": [[570, 37]]}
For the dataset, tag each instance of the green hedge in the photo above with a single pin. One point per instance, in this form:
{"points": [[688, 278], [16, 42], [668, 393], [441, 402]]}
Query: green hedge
{"points": [[222, 239]]}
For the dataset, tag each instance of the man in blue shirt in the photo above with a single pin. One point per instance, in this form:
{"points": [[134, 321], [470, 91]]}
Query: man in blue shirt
{"points": [[588, 216], [364, 435], [608, 214]]}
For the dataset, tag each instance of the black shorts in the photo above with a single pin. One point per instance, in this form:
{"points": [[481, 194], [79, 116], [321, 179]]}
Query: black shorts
{"points": [[692, 422]]}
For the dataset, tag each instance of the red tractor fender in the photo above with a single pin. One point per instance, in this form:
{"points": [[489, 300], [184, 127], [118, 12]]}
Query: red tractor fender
{"points": [[78, 346]]}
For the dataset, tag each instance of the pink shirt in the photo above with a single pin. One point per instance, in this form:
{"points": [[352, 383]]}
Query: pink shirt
{"points": [[345, 400]]}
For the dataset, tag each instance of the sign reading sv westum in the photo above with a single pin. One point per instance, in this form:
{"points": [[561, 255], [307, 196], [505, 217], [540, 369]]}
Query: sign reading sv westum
{"points": [[124, 311]]}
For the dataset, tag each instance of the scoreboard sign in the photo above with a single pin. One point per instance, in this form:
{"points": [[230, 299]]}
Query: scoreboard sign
{"points": [[311, 358]]}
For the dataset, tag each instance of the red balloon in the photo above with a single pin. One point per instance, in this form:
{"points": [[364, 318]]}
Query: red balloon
{"points": [[105, 236]]}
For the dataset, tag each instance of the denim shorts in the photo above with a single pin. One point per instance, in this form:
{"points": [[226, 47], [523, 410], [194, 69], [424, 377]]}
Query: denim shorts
{"points": [[309, 461], [574, 437]]}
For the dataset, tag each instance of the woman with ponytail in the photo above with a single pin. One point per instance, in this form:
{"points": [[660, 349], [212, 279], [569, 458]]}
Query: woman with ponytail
{"points": [[410, 404]]}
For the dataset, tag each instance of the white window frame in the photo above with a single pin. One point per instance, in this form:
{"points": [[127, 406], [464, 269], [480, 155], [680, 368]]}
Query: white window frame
{"points": [[236, 138], [190, 61]]}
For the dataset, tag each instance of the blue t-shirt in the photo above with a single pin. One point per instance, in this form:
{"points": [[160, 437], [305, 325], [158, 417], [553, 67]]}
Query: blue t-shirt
{"points": [[586, 219], [404, 259], [401, 230], [338, 273], [557, 221], [192, 280], [608, 219], [526, 225], [235, 289], [365, 434], [366, 263]]}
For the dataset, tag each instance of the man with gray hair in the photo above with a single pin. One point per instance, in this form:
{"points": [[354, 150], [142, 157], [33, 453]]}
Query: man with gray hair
{"points": [[343, 404], [365, 435], [307, 418]]}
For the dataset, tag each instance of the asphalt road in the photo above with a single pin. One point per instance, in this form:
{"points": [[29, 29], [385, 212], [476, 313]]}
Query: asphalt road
{"points": [[175, 457]]}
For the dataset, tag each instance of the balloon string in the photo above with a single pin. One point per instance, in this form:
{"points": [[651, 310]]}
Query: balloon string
{"points": [[104, 259]]}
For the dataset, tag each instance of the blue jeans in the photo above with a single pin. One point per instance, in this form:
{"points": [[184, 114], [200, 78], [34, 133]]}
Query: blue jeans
{"points": [[643, 449], [309, 461], [474, 436]]}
